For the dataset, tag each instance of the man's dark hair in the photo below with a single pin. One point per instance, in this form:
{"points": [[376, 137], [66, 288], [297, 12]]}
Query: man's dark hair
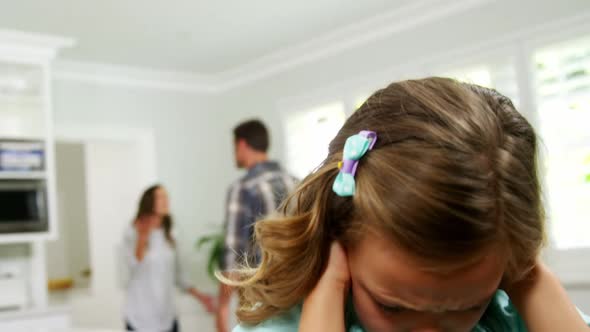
{"points": [[255, 134]]}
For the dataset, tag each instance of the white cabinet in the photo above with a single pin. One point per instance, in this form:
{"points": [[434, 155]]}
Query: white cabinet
{"points": [[14, 292], [22, 105], [26, 114]]}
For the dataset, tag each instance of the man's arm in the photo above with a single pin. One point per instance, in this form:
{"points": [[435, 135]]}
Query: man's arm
{"points": [[237, 237]]}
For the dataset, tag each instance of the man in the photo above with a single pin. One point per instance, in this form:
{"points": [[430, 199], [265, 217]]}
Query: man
{"points": [[255, 195]]}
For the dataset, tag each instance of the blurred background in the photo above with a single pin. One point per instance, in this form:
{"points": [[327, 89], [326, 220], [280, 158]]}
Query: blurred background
{"points": [[100, 99]]}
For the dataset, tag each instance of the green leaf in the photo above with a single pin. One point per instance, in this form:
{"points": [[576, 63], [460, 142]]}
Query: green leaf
{"points": [[215, 257], [588, 178], [215, 252], [206, 239]]}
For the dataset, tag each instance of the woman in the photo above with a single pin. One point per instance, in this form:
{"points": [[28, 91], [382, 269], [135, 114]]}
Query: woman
{"points": [[154, 267]]}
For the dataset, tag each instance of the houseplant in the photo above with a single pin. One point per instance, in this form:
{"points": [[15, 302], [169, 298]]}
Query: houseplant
{"points": [[215, 244]]}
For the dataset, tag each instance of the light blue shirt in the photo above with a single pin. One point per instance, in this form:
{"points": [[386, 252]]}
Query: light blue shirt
{"points": [[499, 316]]}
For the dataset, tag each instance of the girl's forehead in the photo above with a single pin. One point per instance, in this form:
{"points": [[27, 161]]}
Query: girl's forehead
{"points": [[388, 272]]}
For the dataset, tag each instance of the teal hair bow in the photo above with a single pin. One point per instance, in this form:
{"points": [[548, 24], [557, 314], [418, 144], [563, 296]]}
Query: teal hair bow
{"points": [[355, 148]]}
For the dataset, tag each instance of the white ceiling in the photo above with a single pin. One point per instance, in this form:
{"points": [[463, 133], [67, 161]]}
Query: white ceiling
{"points": [[198, 36]]}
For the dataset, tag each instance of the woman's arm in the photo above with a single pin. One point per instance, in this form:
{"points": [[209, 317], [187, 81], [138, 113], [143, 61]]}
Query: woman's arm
{"points": [[140, 248], [133, 250], [543, 303], [183, 282], [206, 300], [323, 308], [143, 227]]}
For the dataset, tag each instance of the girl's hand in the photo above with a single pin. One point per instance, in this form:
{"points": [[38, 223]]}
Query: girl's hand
{"points": [[543, 303], [337, 273], [323, 308]]}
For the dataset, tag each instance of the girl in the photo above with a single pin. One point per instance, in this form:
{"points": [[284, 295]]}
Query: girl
{"points": [[425, 216], [154, 268]]}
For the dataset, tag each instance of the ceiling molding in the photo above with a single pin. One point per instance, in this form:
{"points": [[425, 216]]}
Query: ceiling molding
{"points": [[128, 76], [378, 27], [383, 25], [16, 42]]}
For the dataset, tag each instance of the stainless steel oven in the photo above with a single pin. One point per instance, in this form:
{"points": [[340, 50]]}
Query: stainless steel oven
{"points": [[23, 206]]}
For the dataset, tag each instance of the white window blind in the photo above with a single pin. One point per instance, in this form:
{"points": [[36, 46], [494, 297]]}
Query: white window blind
{"points": [[499, 75], [309, 133], [562, 79]]}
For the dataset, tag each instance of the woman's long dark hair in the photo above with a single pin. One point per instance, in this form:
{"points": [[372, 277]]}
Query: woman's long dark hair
{"points": [[146, 207]]}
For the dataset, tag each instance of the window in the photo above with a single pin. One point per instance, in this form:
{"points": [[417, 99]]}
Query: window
{"points": [[499, 75], [562, 80], [359, 101], [309, 133]]}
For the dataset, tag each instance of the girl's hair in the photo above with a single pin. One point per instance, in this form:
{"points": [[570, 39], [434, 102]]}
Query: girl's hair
{"points": [[452, 173], [146, 207]]}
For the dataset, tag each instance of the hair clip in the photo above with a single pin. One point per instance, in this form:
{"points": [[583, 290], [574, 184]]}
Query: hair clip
{"points": [[355, 148]]}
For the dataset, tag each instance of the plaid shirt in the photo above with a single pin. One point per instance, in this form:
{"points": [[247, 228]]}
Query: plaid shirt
{"points": [[257, 194]]}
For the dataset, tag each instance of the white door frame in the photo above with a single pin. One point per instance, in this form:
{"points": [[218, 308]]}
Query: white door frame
{"points": [[87, 133]]}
